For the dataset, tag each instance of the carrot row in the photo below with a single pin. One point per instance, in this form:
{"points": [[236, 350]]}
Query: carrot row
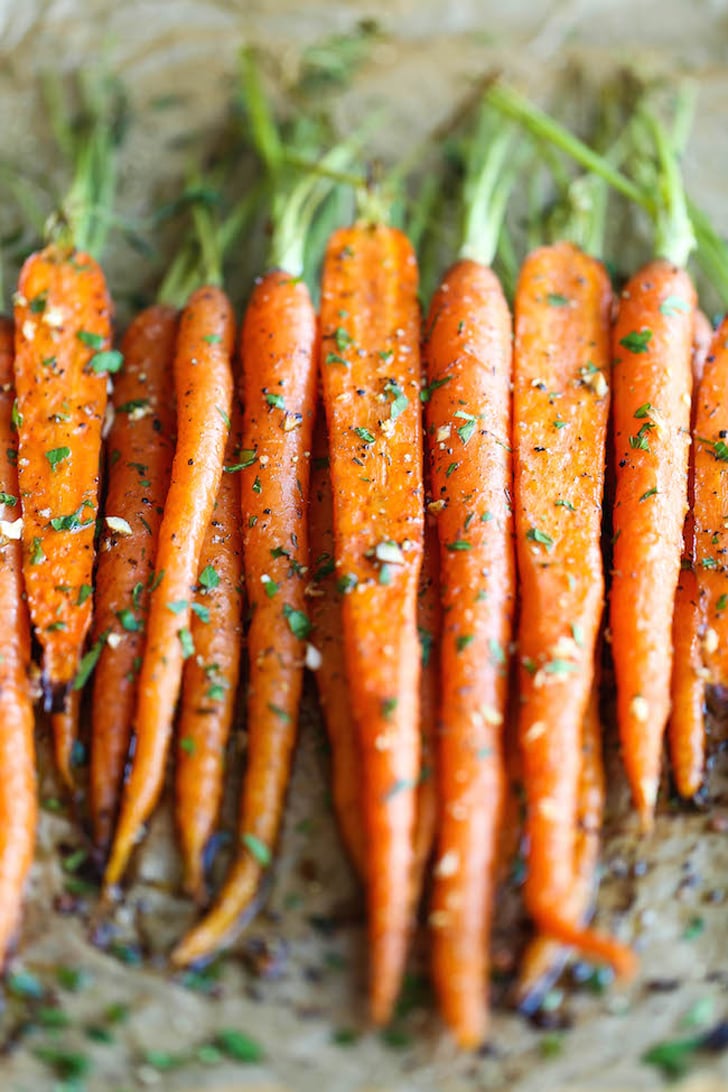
{"points": [[446, 457]]}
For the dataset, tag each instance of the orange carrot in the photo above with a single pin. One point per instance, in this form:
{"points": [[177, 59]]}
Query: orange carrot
{"points": [[210, 679], [561, 401], [468, 411], [652, 383], [543, 957], [62, 356], [62, 361], [203, 382], [686, 730], [140, 448], [326, 619], [711, 500], [18, 800], [278, 352], [371, 377], [278, 355]]}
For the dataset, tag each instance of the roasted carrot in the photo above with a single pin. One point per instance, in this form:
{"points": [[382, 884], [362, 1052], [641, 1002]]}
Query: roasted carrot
{"points": [[371, 376], [686, 730], [468, 366], [543, 957], [18, 799], [140, 448], [62, 361], [278, 353], [652, 385], [203, 382], [561, 403], [210, 678], [652, 342], [326, 618], [467, 353], [278, 360], [711, 462], [62, 357]]}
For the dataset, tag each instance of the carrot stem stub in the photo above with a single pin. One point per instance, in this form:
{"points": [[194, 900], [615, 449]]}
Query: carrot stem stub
{"points": [[652, 380], [468, 355], [370, 363], [561, 404]]}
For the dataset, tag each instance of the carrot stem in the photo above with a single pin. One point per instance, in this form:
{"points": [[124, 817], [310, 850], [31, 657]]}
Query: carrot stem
{"points": [[295, 201], [488, 183], [84, 216], [674, 236], [712, 252], [517, 107]]}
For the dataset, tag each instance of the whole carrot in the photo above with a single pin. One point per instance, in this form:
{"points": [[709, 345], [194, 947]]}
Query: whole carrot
{"points": [[652, 385], [18, 800], [277, 350], [62, 362], [711, 493], [325, 609], [62, 342], [371, 375], [203, 381], [210, 677], [278, 392], [542, 960], [140, 448], [652, 343], [561, 402], [468, 358], [686, 730]]}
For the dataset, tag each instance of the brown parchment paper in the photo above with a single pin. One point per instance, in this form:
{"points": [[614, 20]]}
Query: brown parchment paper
{"points": [[298, 974]]}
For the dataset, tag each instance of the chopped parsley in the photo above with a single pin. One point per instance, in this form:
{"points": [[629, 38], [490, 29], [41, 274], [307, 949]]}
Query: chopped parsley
{"points": [[94, 341], [298, 622], [56, 455], [247, 458], [129, 621], [427, 392], [399, 399], [185, 640], [637, 341], [533, 534], [334, 358], [209, 577], [110, 361]]}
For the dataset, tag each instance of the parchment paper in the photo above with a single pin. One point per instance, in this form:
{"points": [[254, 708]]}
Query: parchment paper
{"points": [[297, 977]]}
